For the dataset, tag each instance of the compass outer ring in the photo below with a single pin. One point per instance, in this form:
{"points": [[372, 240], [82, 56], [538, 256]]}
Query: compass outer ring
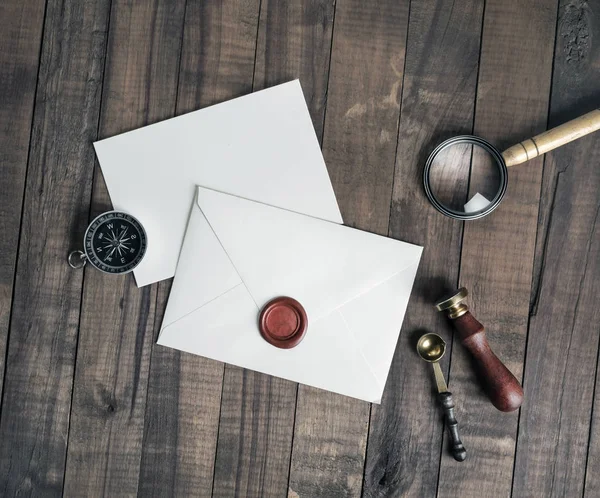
{"points": [[143, 250]]}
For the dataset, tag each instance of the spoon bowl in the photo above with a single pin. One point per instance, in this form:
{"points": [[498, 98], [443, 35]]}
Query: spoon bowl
{"points": [[431, 347]]}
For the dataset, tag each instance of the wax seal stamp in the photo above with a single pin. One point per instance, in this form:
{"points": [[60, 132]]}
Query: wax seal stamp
{"points": [[501, 385], [283, 322]]}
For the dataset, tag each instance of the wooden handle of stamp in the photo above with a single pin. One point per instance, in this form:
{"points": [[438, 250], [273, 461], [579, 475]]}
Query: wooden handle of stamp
{"points": [[552, 139], [501, 386]]}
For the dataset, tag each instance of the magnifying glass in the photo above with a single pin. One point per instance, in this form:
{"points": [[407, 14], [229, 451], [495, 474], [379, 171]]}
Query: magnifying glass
{"points": [[466, 177]]}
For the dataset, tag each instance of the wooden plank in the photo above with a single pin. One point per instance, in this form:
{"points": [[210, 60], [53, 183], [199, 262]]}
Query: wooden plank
{"points": [[257, 411], [45, 316], [438, 102], [20, 34], [498, 251], [359, 145], [184, 393], [294, 41], [255, 434], [116, 330], [592, 479], [562, 349]]}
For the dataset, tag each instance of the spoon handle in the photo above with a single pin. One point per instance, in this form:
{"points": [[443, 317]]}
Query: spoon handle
{"points": [[439, 377], [457, 448]]}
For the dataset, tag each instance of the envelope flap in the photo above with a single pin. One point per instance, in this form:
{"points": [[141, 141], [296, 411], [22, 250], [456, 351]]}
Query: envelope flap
{"points": [[320, 360], [202, 261], [375, 317], [321, 264]]}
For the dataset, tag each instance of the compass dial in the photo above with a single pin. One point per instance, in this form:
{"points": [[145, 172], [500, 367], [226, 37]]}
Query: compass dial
{"points": [[115, 242]]}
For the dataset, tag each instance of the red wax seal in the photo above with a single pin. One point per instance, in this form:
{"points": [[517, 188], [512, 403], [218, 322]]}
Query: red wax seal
{"points": [[283, 322]]}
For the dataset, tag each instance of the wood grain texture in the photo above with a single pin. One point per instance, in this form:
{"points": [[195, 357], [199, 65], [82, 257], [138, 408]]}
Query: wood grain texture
{"points": [[592, 479], [562, 349], [116, 329], [257, 411], [294, 41], [330, 439], [498, 251], [359, 145], [363, 106], [145, 420], [184, 392], [20, 35], [437, 102], [255, 434], [45, 316]]}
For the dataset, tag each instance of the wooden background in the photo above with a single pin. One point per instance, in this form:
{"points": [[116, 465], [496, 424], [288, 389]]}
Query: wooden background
{"points": [[90, 407]]}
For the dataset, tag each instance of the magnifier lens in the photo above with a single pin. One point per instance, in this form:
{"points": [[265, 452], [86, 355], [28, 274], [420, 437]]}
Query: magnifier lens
{"points": [[466, 179]]}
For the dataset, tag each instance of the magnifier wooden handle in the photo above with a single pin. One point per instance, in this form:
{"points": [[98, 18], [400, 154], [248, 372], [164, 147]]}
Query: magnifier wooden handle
{"points": [[552, 139], [501, 386]]}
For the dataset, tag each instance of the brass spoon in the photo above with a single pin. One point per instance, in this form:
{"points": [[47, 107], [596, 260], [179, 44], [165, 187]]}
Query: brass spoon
{"points": [[431, 348]]}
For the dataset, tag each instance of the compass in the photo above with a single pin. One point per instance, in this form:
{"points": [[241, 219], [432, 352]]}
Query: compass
{"points": [[114, 242]]}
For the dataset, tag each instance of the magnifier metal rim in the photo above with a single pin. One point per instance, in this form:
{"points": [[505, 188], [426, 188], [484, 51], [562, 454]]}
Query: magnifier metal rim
{"points": [[502, 169]]}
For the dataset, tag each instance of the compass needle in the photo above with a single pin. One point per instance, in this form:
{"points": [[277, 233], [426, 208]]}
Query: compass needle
{"points": [[114, 242]]}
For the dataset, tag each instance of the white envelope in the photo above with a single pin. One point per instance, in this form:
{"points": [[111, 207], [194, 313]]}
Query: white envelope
{"points": [[261, 146], [239, 254]]}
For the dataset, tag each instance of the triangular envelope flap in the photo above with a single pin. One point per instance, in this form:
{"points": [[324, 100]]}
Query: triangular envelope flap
{"points": [[320, 360], [206, 271], [375, 319], [321, 264]]}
